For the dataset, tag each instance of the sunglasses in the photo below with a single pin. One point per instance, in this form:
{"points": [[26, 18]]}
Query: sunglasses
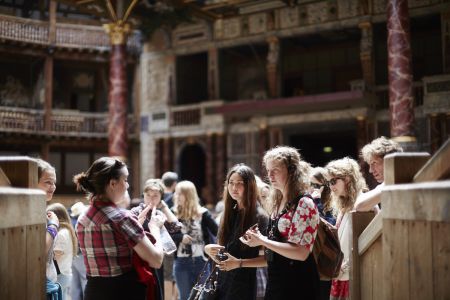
{"points": [[316, 185], [333, 181]]}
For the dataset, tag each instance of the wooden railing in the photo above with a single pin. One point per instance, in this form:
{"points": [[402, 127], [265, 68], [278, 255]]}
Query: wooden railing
{"points": [[23, 227], [67, 35], [63, 123], [404, 252]]}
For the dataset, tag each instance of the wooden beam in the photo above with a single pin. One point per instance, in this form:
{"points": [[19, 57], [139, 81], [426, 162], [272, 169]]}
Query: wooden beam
{"points": [[438, 166], [429, 201], [401, 167]]}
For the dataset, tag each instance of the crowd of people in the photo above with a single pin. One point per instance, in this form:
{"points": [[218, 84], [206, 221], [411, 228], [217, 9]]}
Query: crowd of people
{"points": [[258, 241]]}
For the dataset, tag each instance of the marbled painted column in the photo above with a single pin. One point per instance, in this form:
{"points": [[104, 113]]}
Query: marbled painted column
{"points": [[273, 58], [117, 127], [366, 53], [401, 101], [213, 74]]}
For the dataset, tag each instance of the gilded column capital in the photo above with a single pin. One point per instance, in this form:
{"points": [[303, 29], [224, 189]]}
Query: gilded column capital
{"points": [[118, 32]]}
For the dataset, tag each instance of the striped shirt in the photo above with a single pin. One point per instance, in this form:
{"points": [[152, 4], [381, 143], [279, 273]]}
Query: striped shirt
{"points": [[107, 235]]}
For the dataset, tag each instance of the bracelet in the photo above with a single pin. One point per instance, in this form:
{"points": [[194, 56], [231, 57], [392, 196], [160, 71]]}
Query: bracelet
{"points": [[240, 263], [50, 222]]}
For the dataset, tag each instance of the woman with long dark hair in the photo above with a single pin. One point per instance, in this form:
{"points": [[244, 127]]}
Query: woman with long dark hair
{"points": [[241, 212]]}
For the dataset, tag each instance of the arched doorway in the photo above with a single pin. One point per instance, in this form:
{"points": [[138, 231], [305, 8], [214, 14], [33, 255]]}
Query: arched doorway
{"points": [[192, 163]]}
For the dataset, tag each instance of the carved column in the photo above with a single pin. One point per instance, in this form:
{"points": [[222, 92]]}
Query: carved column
{"points": [[117, 97], [172, 97], [435, 132], [158, 155], [366, 53], [275, 137], [166, 155], [263, 147], [273, 58], [401, 101], [213, 74], [221, 163], [48, 67], [361, 132], [445, 28], [210, 183]]}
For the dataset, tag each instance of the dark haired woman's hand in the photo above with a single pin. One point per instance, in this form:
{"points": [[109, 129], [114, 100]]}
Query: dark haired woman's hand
{"points": [[229, 264], [212, 250]]}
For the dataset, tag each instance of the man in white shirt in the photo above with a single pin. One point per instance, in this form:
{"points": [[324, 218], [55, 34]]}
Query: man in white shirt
{"points": [[373, 154]]}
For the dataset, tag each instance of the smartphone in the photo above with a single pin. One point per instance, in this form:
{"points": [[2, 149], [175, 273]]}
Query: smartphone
{"points": [[253, 227], [221, 255]]}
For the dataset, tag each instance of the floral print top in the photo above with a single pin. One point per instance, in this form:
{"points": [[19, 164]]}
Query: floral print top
{"points": [[299, 224]]}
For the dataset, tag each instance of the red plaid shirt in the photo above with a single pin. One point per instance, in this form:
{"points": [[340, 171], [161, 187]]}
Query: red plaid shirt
{"points": [[107, 235]]}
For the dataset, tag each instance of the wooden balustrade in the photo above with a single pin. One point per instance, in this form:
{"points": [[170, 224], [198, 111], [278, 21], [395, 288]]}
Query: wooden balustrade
{"points": [[63, 122], [23, 226], [186, 117], [71, 36], [403, 253]]}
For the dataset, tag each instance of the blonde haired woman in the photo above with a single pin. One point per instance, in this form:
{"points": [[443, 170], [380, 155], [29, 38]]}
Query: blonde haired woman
{"points": [[198, 225], [346, 184], [66, 246]]}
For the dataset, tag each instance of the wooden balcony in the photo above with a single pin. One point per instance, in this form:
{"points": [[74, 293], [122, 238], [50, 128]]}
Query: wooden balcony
{"points": [[63, 123], [68, 36]]}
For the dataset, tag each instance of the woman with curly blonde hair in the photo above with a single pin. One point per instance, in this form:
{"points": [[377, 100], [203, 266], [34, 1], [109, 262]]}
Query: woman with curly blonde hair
{"points": [[198, 226], [346, 183], [292, 271]]}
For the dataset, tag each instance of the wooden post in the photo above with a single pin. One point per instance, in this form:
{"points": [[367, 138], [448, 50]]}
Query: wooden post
{"points": [[401, 167], [21, 171], [359, 221]]}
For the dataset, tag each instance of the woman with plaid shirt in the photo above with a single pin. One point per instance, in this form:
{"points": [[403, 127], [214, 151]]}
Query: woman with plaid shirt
{"points": [[108, 234]]}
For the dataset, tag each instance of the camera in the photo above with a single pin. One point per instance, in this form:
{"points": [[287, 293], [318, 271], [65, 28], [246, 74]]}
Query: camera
{"points": [[221, 255]]}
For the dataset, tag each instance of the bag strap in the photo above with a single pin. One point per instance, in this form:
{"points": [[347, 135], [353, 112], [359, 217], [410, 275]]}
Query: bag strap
{"points": [[204, 269]]}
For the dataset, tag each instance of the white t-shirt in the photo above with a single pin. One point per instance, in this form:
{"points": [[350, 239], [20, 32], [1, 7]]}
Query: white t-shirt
{"points": [[63, 243]]}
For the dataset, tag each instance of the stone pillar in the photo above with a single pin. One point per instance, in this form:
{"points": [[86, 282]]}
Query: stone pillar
{"points": [[117, 97], [401, 101], [213, 74], [366, 54], [445, 29], [273, 58]]}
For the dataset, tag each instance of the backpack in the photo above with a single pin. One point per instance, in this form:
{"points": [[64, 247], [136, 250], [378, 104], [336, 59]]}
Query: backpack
{"points": [[327, 251]]}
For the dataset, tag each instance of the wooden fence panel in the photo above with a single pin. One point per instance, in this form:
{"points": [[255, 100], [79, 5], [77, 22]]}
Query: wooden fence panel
{"points": [[22, 245], [441, 260], [395, 259], [421, 256], [371, 272]]}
